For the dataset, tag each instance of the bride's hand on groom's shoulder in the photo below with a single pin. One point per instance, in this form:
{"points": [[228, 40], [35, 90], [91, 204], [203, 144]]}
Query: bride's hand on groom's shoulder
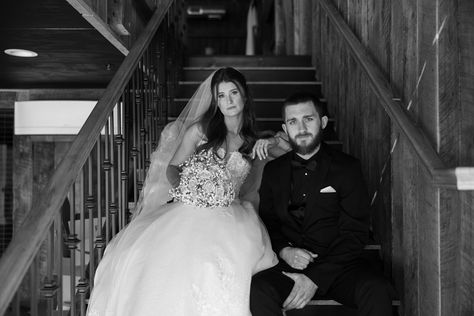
{"points": [[297, 258], [261, 147]]}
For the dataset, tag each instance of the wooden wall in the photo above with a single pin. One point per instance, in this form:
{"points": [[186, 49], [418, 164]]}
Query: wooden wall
{"points": [[426, 50], [292, 31]]}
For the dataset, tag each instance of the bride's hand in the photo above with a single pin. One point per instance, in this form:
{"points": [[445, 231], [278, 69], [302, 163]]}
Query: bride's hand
{"points": [[261, 146]]}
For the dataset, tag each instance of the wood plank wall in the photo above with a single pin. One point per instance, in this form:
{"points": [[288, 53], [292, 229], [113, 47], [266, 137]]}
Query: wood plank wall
{"points": [[426, 50]]}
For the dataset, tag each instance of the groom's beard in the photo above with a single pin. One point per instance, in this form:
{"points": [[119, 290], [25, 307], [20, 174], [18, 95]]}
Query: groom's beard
{"points": [[308, 148]]}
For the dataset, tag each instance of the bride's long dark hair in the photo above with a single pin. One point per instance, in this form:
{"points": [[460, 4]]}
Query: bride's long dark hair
{"points": [[212, 121]]}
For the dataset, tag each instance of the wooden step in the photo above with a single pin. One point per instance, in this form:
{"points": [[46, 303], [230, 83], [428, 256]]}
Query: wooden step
{"points": [[332, 308], [260, 89], [253, 61], [255, 73]]}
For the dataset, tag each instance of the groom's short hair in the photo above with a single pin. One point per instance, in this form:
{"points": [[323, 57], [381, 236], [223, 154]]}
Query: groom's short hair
{"points": [[303, 97]]}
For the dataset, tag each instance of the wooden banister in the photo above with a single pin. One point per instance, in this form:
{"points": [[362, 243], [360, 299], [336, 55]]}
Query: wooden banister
{"points": [[460, 178], [31, 233]]}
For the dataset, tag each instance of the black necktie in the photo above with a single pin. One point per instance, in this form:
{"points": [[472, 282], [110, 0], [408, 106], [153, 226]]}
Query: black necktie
{"points": [[310, 165]]}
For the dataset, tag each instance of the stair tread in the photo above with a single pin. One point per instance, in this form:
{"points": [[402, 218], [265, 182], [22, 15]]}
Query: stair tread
{"points": [[327, 302], [241, 60], [263, 68]]}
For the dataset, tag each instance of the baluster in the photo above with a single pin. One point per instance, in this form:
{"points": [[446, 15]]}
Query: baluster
{"points": [[134, 150], [142, 131], [106, 166], [113, 202], [34, 300], [146, 124], [71, 243], [163, 77], [49, 287], [60, 243], [155, 99], [100, 240], [169, 62], [119, 142], [127, 146], [90, 205], [16, 304], [83, 284], [151, 131]]}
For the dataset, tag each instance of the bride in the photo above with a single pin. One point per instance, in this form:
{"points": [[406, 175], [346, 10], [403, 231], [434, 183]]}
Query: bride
{"points": [[195, 256]]}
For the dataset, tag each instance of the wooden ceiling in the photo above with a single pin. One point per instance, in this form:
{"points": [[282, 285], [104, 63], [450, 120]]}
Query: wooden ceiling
{"points": [[72, 54]]}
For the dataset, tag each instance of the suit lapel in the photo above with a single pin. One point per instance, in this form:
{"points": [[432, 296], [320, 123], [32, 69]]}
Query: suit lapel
{"points": [[284, 186]]}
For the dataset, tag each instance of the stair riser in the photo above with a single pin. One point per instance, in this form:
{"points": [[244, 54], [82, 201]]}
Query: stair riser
{"points": [[330, 311], [273, 90], [250, 61], [256, 75]]}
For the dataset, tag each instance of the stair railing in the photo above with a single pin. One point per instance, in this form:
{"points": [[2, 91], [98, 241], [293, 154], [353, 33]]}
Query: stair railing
{"points": [[97, 181], [460, 178]]}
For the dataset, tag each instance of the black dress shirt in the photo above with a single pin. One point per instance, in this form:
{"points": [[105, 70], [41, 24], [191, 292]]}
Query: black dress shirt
{"points": [[301, 173]]}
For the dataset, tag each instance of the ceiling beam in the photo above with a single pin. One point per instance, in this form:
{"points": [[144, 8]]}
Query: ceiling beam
{"points": [[102, 27]]}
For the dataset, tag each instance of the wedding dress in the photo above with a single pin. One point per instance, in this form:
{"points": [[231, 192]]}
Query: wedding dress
{"points": [[180, 259]]}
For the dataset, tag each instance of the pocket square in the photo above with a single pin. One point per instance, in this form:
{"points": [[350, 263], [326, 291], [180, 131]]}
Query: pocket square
{"points": [[328, 189]]}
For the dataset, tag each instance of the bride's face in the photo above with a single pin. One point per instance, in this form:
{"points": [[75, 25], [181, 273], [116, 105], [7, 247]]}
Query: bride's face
{"points": [[229, 99]]}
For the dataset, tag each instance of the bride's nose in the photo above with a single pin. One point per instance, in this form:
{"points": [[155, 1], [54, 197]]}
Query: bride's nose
{"points": [[229, 99]]}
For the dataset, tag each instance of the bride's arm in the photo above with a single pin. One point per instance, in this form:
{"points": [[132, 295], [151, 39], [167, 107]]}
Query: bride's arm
{"points": [[192, 137]]}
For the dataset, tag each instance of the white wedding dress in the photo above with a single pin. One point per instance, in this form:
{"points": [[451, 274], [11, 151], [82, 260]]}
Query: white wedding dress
{"points": [[183, 260]]}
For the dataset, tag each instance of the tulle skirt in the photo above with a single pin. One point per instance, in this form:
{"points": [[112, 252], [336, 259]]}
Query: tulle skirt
{"points": [[181, 260]]}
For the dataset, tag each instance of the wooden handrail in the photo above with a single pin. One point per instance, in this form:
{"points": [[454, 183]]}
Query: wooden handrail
{"points": [[461, 178], [29, 236]]}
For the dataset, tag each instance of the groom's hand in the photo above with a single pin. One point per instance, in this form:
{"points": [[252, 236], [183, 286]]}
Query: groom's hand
{"points": [[302, 292], [297, 258]]}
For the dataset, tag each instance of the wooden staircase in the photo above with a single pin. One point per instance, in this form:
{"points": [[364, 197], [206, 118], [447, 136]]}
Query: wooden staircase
{"points": [[270, 79]]}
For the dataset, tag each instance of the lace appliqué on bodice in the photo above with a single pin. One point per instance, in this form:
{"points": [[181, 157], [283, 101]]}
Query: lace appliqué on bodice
{"points": [[211, 179], [238, 168]]}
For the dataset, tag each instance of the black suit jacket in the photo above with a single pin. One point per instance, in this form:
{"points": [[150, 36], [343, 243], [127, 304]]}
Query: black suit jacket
{"points": [[335, 225]]}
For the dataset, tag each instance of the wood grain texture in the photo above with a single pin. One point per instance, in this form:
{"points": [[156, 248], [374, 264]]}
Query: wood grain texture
{"points": [[302, 27], [288, 15], [466, 272], [466, 80], [409, 176], [431, 222], [466, 152], [428, 54]]}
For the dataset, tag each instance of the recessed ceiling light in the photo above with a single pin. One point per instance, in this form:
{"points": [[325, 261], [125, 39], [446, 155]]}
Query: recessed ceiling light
{"points": [[20, 52]]}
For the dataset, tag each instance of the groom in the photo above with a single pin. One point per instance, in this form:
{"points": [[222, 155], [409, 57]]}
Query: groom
{"points": [[314, 203]]}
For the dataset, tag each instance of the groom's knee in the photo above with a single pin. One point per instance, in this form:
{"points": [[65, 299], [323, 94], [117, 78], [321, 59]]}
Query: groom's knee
{"points": [[264, 296], [262, 288]]}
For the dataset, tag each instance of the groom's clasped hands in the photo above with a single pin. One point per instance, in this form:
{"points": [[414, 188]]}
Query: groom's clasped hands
{"points": [[303, 289]]}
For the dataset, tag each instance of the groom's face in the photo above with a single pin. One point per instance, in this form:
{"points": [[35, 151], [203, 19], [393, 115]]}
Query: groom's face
{"points": [[304, 127]]}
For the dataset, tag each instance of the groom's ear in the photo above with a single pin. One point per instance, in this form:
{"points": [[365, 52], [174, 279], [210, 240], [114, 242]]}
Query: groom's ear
{"points": [[284, 128]]}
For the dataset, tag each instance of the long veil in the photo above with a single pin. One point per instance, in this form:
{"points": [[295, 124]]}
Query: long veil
{"points": [[156, 188]]}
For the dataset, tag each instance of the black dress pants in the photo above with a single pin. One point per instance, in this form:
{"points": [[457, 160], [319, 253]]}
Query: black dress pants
{"points": [[358, 286]]}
